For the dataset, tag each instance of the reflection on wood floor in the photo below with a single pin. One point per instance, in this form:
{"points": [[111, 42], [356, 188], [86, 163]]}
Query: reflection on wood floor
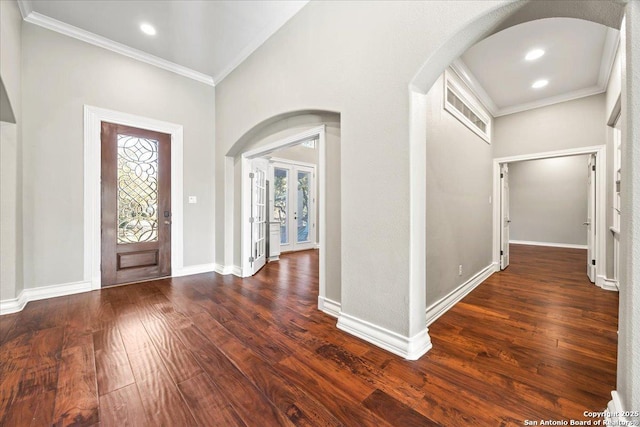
{"points": [[537, 341]]}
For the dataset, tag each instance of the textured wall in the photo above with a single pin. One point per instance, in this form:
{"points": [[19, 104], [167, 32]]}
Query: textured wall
{"points": [[459, 185], [548, 200], [60, 76]]}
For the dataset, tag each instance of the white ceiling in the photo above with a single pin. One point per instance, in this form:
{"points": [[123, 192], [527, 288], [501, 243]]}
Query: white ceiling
{"points": [[208, 37], [577, 62]]}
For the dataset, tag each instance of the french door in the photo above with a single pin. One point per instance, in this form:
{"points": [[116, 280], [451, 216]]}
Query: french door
{"points": [[136, 204], [258, 219], [293, 194]]}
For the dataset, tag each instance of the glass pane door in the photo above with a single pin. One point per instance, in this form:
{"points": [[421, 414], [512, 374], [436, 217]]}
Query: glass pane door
{"points": [[302, 213], [281, 202]]}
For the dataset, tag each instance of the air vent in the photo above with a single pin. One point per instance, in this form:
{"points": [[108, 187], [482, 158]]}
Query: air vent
{"points": [[460, 102]]}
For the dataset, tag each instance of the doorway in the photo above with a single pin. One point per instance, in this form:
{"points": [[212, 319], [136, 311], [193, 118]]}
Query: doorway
{"points": [[301, 224], [93, 119], [293, 204], [596, 199], [135, 204]]}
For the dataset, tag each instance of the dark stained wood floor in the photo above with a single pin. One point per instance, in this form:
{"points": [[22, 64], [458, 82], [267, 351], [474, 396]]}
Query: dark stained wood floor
{"points": [[537, 341]]}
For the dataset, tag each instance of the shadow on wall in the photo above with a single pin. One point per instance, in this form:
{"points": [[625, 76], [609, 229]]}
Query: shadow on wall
{"points": [[276, 129]]}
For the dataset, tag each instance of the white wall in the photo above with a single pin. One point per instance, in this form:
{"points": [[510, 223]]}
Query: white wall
{"points": [[60, 76], [11, 269], [459, 185], [328, 57], [571, 124], [629, 315], [548, 200]]}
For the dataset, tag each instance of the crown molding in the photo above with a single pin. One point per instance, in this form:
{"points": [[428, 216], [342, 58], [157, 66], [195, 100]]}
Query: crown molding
{"points": [[609, 50], [269, 31], [569, 96], [465, 74], [105, 43], [26, 7]]}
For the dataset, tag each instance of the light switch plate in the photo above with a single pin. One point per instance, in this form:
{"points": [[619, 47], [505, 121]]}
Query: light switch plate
{"points": [[193, 199]]}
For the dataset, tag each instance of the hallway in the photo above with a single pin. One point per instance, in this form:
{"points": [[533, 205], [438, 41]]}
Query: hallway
{"points": [[537, 341]]}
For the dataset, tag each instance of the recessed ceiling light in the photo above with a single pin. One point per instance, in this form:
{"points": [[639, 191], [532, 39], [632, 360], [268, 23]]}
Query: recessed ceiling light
{"points": [[540, 83], [148, 29], [534, 54]]}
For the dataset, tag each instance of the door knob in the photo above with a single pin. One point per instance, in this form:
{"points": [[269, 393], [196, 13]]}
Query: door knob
{"points": [[586, 223]]}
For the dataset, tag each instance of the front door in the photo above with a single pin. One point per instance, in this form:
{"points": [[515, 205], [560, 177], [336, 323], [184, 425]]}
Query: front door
{"points": [[136, 204]]}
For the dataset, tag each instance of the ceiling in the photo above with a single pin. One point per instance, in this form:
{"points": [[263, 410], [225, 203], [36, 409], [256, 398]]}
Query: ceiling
{"points": [[577, 61], [205, 39]]}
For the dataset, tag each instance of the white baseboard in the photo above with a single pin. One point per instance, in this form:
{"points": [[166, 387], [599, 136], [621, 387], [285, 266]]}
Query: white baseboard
{"points": [[411, 348], [193, 269], [228, 269], [34, 294], [553, 245], [607, 284], [331, 307], [437, 309], [613, 415]]}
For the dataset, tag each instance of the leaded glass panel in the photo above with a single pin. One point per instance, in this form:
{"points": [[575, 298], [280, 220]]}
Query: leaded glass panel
{"points": [[137, 192]]}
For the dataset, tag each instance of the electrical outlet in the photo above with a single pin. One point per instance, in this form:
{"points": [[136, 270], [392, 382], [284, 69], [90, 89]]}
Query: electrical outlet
{"points": [[193, 199], [460, 270]]}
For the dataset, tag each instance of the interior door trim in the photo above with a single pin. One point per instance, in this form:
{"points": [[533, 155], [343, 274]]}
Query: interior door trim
{"points": [[93, 117], [601, 195]]}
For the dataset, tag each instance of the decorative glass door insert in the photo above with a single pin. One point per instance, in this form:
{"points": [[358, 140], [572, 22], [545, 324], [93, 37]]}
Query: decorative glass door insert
{"points": [[137, 189]]}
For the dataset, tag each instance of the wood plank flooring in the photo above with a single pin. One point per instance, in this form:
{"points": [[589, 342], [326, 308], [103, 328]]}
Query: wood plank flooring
{"points": [[535, 342]]}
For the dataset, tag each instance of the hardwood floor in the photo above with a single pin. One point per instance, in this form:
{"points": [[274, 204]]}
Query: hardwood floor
{"points": [[535, 342]]}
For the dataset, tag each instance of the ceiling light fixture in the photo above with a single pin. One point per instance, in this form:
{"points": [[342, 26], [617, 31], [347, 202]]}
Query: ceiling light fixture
{"points": [[540, 83], [534, 54], [148, 29]]}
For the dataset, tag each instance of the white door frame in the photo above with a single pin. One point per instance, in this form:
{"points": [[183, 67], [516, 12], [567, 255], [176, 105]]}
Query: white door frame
{"points": [[601, 197], [292, 165], [245, 230], [93, 117]]}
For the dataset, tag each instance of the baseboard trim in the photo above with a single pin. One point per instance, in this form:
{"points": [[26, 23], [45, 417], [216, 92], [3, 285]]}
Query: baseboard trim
{"points": [[228, 269], [15, 305], [34, 294], [437, 309], [613, 414], [553, 245], [194, 269], [329, 306], [607, 284], [410, 348]]}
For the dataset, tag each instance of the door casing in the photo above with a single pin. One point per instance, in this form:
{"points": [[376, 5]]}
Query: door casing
{"points": [[93, 117], [600, 202], [245, 230]]}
